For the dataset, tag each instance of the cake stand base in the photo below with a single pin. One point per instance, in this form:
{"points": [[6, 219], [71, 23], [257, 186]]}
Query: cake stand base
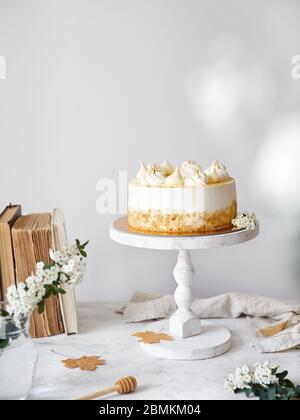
{"points": [[192, 338], [213, 341]]}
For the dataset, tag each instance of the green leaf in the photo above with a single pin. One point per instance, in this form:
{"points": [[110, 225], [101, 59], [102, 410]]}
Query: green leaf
{"points": [[281, 375], [4, 343], [48, 265], [48, 293], [41, 307], [248, 392], [55, 290], [83, 253], [256, 389], [291, 393], [3, 312], [297, 390], [271, 393], [280, 389], [287, 383], [263, 395]]}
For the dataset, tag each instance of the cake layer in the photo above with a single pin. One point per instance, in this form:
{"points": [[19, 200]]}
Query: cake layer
{"points": [[167, 200], [157, 221]]}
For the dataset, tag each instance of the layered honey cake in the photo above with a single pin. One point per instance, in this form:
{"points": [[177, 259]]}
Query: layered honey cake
{"points": [[184, 200]]}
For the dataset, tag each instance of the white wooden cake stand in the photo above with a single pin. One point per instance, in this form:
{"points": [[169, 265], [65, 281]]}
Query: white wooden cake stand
{"points": [[192, 338]]}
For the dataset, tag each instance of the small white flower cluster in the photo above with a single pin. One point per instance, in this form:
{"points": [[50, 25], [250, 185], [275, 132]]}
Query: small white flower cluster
{"points": [[245, 220], [245, 376], [23, 298], [68, 268], [72, 264]]}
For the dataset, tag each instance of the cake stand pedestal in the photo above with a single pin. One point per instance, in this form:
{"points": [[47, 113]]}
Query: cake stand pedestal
{"points": [[192, 338]]}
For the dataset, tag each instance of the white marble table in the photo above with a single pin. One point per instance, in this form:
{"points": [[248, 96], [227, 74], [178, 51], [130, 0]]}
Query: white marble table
{"points": [[103, 333]]}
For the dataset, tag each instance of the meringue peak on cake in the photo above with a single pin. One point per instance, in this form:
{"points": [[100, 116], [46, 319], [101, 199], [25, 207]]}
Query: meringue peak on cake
{"points": [[188, 174], [155, 175], [196, 179], [216, 172], [141, 176], [188, 167], [175, 179], [166, 165]]}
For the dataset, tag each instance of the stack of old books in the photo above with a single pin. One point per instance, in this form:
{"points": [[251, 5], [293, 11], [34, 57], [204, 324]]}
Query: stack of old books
{"points": [[24, 241]]}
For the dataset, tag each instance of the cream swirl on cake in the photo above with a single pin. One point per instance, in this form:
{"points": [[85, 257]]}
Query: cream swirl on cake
{"points": [[175, 179], [141, 176], [167, 167], [155, 175], [188, 167], [216, 172], [196, 179], [181, 200]]}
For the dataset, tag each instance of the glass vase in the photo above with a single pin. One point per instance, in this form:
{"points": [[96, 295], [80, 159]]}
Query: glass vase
{"points": [[18, 358]]}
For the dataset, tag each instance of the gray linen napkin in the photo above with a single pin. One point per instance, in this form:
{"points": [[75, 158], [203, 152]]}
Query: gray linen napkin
{"points": [[283, 317]]}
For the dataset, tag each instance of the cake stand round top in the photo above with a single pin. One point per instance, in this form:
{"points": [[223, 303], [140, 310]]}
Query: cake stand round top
{"points": [[120, 232]]}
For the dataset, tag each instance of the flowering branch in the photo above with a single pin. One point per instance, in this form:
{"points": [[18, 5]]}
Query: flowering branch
{"points": [[67, 268], [262, 381]]}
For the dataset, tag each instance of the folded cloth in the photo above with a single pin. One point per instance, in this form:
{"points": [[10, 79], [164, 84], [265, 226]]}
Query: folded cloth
{"points": [[281, 333]]}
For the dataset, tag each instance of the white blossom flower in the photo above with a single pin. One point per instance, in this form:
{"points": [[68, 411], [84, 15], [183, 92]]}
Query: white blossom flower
{"points": [[243, 377], [245, 221], [68, 268], [39, 268], [55, 255], [240, 379], [263, 374]]}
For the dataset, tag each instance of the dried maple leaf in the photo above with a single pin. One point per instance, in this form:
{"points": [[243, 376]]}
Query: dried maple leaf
{"points": [[273, 329], [84, 363], [151, 337], [70, 363]]}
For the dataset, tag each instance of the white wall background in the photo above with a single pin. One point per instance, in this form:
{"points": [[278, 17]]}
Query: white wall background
{"points": [[92, 86]]}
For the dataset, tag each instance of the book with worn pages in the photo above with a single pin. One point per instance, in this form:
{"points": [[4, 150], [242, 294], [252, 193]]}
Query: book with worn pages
{"points": [[67, 301], [7, 263], [32, 240]]}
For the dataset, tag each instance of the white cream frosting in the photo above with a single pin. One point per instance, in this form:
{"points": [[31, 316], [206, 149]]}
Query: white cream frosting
{"points": [[175, 179], [141, 176], [216, 172], [188, 168], [207, 198], [198, 178], [189, 174], [166, 165], [186, 189], [155, 175]]}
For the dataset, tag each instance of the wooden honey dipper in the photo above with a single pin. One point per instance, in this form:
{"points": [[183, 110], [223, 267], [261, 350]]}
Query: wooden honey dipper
{"points": [[122, 386]]}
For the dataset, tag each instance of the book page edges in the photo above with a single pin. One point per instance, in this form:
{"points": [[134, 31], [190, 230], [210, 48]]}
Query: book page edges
{"points": [[67, 301]]}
